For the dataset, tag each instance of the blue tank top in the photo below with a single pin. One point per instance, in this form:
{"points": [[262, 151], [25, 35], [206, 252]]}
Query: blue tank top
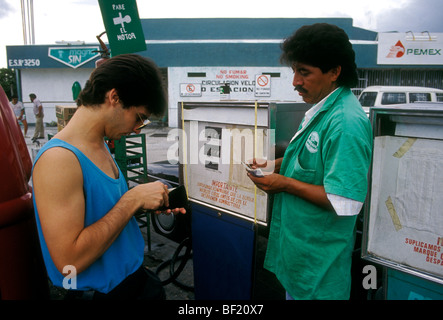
{"points": [[102, 192]]}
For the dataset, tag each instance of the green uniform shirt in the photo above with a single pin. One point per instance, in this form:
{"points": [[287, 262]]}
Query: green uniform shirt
{"points": [[309, 247]]}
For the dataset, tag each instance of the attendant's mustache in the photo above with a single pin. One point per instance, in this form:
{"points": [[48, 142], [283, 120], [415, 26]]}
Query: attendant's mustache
{"points": [[300, 89]]}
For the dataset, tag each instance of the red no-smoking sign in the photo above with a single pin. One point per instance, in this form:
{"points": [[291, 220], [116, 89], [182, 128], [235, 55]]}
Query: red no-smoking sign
{"points": [[190, 88], [262, 85], [263, 80]]}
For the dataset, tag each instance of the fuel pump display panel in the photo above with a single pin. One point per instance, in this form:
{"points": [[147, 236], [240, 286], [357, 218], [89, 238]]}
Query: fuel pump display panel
{"points": [[219, 136], [218, 177]]}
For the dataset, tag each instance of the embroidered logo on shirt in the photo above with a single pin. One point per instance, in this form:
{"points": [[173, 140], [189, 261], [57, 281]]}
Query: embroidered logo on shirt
{"points": [[312, 142]]}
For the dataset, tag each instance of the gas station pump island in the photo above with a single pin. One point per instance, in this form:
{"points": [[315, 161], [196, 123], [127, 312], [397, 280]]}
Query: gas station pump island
{"points": [[230, 217], [229, 214]]}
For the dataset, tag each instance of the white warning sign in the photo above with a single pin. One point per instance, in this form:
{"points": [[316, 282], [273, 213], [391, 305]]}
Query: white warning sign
{"points": [[190, 90]]}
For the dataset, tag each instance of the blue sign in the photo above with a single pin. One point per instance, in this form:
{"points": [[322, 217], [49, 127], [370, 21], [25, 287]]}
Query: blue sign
{"points": [[74, 56]]}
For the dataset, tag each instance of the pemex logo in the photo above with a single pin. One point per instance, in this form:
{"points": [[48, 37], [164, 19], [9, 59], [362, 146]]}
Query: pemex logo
{"points": [[396, 51]]}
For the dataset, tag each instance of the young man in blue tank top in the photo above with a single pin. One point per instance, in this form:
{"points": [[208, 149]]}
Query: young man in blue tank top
{"points": [[83, 207]]}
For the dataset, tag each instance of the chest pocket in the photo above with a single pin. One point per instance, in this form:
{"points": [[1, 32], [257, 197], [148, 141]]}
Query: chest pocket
{"points": [[306, 164], [300, 172]]}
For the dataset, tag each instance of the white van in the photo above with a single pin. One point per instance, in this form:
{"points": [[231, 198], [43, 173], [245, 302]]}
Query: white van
{"points": [[386, 95]]}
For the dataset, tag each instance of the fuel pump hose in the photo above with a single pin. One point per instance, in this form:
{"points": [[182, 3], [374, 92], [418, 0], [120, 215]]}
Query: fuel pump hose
{"points": [[171, 262]]}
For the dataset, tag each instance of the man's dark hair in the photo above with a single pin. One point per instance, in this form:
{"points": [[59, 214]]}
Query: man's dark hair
{"points": [[324, 46], [137, 80]]}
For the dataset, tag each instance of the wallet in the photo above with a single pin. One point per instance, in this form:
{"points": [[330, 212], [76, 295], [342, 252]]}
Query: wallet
{"points": [[178, 198]]}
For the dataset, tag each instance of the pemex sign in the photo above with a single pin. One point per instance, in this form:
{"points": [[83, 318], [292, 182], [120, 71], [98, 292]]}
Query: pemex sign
{"points": [[123, 26], [409, 49]]}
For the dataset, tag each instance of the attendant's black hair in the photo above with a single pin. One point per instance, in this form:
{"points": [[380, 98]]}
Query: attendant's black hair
{"points": [[324, 46]]}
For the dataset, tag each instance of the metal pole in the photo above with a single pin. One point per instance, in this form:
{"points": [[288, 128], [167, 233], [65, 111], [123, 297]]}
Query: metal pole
{"points": [[28, 24], [31, 29], [25, 36]]}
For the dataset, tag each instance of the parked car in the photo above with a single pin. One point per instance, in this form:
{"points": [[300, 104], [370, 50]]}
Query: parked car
{"points": [[379, 96], [22, 272]]}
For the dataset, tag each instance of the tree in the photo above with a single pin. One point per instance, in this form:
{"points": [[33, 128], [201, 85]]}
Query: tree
{"points": [[8, 82]]}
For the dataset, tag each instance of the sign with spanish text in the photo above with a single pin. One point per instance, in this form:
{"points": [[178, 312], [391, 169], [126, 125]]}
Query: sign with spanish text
{"points": [[405, 219], [123, 26], [246, 84], [73, 57], [410, 49]]}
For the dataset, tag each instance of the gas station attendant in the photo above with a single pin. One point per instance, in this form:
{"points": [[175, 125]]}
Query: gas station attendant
{"points": [[320, 184]]}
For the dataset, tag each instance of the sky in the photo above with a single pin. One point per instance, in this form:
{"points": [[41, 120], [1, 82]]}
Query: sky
{"points": [[72, 20]]}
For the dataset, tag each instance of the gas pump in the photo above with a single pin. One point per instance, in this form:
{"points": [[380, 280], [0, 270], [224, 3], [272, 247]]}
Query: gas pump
{"points": [[403, 220], [230, 216]]}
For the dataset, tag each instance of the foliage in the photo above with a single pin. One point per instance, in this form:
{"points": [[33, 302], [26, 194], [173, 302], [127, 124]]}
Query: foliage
{"points": [[8, 81]]}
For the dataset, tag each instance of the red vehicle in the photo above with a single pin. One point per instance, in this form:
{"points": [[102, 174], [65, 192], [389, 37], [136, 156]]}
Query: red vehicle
{"points": [[22, 272]]}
